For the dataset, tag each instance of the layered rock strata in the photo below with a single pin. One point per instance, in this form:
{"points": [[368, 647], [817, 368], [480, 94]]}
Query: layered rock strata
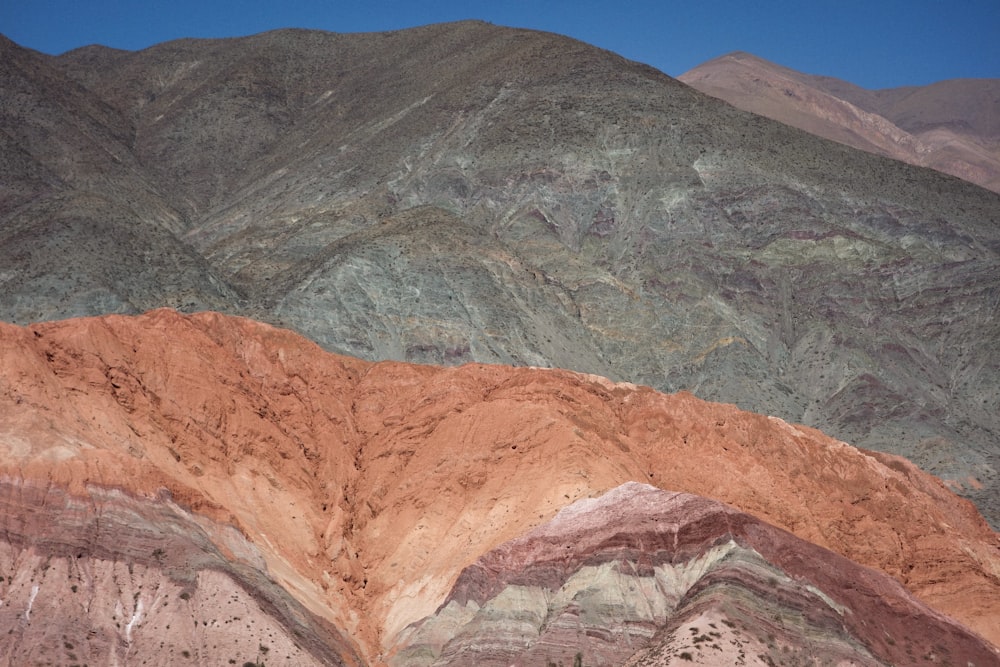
{"points": [[641, 576], [365, 489], [109, 578]]}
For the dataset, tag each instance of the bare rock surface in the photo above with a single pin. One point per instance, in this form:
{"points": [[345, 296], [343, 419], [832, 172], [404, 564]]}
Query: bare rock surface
{"points": [[84, 226], [951, 126], [362, 490], [652, 577], [467, 192], [109, 578]]}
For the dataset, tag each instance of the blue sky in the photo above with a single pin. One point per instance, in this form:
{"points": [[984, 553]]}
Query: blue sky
{"points": [[875, 44]]}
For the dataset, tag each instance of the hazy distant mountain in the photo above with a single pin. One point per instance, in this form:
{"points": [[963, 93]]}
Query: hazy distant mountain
{"points": [[467, 192], [952, 126]]}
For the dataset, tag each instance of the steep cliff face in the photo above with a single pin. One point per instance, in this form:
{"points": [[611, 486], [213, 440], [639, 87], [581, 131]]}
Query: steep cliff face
{"points": [[650, 577], [345, 497], [467, 192]]}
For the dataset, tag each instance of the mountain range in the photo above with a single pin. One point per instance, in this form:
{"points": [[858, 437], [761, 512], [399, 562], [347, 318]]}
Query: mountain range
{"points": [[500, 204]]}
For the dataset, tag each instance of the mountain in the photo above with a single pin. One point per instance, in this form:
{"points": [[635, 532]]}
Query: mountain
{"points": [[466, 192], [951, 126], [213, 489]]}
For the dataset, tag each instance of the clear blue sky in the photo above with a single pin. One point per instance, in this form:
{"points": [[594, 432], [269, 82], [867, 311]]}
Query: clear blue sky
{"points": [[873, 43]]}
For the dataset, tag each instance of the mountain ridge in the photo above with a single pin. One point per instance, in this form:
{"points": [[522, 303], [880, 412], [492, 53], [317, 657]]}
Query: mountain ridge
{"points": [[952, 126]]}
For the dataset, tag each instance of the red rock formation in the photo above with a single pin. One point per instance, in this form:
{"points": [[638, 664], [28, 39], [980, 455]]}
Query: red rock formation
{"points": [[368, 487], [670, 573]]}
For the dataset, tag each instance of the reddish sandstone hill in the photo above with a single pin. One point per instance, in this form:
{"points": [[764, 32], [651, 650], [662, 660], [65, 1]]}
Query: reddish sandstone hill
{"points": [[306, 508]]}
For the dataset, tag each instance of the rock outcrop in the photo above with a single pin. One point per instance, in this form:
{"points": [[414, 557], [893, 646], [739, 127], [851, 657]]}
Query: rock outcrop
{"points": [[107, 577], [641, 576], [467, 192], [345, 497]]}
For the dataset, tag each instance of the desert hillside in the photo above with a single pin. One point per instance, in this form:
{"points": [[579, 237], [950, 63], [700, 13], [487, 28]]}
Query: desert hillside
{"points": [[304, 507]]}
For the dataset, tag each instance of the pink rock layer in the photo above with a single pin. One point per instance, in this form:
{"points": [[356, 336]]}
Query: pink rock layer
{"points": [[108, 578]]}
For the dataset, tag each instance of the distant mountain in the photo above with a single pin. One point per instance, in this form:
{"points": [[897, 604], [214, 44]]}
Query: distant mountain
{"points": [[213, 490], [466, 192], [951, 126]]}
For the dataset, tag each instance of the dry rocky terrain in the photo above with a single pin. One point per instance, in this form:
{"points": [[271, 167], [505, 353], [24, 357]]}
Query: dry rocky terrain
{"points": [[214, 489], [466, 192], [501, 204]]}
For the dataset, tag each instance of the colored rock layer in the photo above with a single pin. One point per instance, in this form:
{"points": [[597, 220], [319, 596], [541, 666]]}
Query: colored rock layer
{"points": [[650, 577], [107, 578], [359, 492]]}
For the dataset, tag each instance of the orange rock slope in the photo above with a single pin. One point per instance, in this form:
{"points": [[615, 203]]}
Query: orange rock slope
{"points": [[368, 487]]}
